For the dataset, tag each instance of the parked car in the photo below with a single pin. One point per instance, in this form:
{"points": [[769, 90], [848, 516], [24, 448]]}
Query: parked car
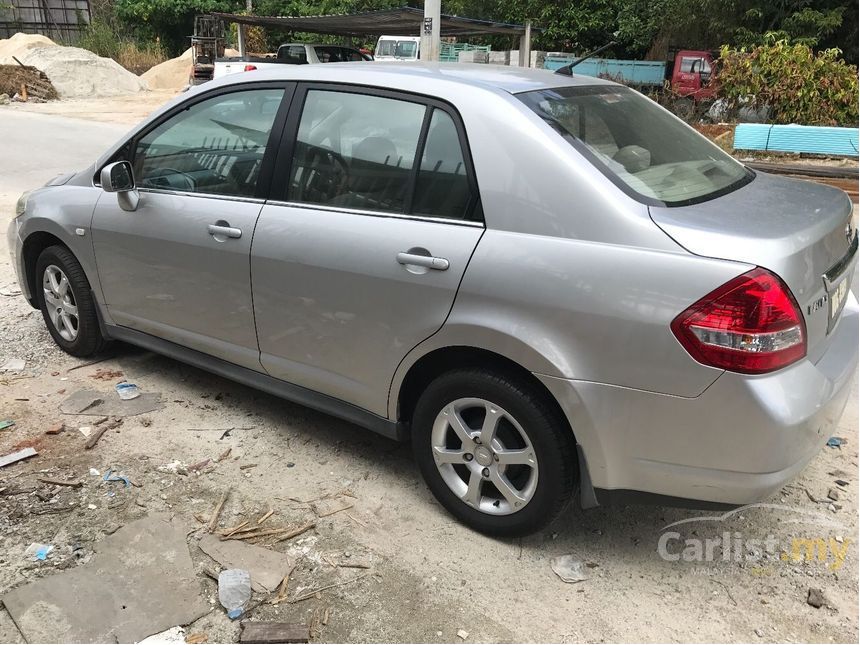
{"points": [[290, 54], [546, 283], [400, 48]]}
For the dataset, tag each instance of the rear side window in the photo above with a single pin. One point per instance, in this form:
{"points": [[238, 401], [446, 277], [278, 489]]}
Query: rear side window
{"points": [[355, 151], [293, 54], [442, 189], [214, 147]]}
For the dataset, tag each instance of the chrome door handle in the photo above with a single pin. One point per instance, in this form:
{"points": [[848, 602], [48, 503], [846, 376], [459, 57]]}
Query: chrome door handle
{"points": [[226, 231], [439, 264]]}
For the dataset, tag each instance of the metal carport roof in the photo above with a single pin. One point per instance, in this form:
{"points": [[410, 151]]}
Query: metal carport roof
{"points": [[403, 21]]}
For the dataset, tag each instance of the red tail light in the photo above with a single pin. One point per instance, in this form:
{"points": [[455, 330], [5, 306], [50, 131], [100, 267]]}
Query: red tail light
{"points": [[250, 68], [751, 325]]}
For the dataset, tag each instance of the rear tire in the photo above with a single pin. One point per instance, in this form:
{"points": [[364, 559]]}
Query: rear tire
{"points": [[494, 451], [65, 298]]}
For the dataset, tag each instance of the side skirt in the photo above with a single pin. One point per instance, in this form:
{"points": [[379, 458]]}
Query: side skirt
{"points": [[294, 393]]}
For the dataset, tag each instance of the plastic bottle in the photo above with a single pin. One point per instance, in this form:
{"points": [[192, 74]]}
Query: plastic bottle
{"points": [[234, 590]]}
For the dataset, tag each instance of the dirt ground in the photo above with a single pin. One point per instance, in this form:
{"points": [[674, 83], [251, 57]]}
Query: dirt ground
{"points": [[429, 577]]}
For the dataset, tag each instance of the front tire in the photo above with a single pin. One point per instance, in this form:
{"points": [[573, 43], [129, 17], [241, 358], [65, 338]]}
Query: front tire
{"points": [[64, 296], [494, 451]]}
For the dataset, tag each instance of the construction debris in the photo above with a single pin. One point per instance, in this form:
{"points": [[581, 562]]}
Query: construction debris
{"points": [[26, 81], [91, 402], [267, 567], [14, 457], [132, 590], [94, 438], [13, 365], [213, 521], [61, 482], [268, 633], [57, 428]]}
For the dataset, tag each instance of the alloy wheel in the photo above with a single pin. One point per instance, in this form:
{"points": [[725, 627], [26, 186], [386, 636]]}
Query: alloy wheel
{"points": [[60, 302], [484, 456]]}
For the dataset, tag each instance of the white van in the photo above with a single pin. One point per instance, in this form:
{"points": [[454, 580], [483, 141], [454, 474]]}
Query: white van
{"points": [[398, 48]]}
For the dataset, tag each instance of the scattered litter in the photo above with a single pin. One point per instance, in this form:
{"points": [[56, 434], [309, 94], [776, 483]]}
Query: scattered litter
{"points": [[105, 374], [92, 507], [94, 403], [839, 538], [266, 567], [39, 551], [568, 568], [247, 466], [200, 465], [836, 442], [224, 455], [14, 457], [95, 473], [127, 391], [61, 482], [234, 590], [313, 593], [94, 439], [199, 637], [175, 467], [13, 365], [833, 494], [86, 431], [462, 634], [109, 477], [57, 428], [270, 633], [841, 482], [815, 598], [172, 635], [213, 520], [128, 590], [6, 423], [265, 517]]}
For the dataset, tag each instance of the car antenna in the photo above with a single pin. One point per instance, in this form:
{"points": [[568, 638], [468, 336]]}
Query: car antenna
{"points": [[567, 70]]}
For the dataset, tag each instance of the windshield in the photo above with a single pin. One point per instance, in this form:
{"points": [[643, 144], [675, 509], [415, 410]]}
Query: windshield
{"points": [[648, 153], [406, 49]]}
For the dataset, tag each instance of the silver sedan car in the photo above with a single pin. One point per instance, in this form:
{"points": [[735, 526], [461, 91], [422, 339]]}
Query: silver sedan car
{"points": [[548, 284]]}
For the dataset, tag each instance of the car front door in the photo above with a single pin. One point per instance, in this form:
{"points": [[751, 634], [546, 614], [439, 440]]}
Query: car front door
{"points": [[178, 267], [360, 258]]}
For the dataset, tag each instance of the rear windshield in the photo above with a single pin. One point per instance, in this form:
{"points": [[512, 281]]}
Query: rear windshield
{"points": [[647, 152]]}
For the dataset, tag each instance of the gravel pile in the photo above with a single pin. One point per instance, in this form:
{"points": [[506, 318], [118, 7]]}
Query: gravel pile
{"points": [[79, 73], [19, 44], [171, 74]]}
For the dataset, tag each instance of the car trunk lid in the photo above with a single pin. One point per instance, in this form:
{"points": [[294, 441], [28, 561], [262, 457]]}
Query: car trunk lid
{"points": [[800, 230]]}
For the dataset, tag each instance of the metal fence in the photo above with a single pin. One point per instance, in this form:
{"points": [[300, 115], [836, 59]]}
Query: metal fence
{"points": [[61, 20]]}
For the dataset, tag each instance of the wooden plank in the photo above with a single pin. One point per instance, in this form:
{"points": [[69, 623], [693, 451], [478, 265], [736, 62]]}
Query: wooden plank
{"points": [[262, 632], [17, 456]]}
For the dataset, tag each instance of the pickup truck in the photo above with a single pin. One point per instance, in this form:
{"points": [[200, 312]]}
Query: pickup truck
{"points": [[289, 54]]}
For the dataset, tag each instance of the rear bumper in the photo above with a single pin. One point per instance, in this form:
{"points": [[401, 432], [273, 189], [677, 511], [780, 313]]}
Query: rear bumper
{"points": [[736, 443]]}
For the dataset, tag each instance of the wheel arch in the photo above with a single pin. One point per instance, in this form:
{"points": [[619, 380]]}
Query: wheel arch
{"points": [[419, 368], [33, 246]]}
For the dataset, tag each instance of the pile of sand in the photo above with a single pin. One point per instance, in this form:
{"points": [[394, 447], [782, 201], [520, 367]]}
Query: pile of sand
{"points": [[18, 45], [171, 74], [79, 73]]}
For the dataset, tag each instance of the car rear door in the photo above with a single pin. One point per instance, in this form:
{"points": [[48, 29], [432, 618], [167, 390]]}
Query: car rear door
{"points": [[178, 267], [359, 258]]}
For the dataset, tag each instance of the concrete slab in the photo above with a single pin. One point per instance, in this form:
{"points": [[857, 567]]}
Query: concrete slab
{"points": [[108, 404], [140, 582], [267, 567]]}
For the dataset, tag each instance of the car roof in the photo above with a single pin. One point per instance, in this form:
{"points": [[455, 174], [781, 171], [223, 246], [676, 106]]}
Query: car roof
{"points": [[402, 75]]}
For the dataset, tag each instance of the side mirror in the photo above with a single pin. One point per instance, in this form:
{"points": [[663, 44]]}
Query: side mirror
{"points": [[118, 178]]}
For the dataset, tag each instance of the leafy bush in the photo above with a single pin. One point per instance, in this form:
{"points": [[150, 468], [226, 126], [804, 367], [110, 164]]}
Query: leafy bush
{"points": [[799, 85], [103, 37]]}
